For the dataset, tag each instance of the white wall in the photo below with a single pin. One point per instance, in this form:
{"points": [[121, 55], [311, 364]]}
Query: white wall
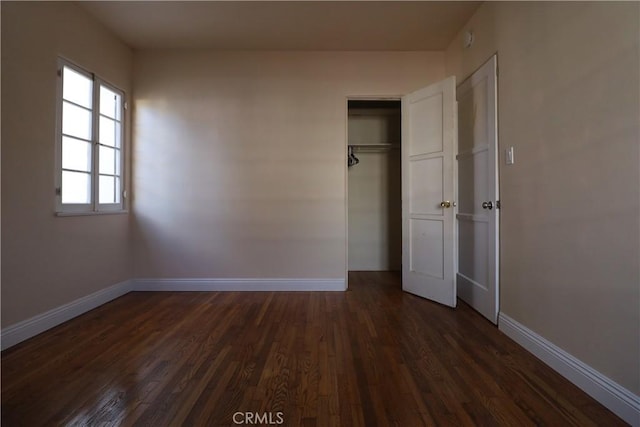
{"points": [[48, 261], [240, 164], [568, 90]]}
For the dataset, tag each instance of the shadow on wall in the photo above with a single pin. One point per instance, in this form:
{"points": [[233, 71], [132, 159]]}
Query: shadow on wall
{"points": [[394, 210]]}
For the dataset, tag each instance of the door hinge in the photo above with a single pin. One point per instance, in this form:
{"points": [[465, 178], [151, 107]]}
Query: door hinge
{"points": [[126, 105], [497, 204], [59, 72], [58, 191], [124, 194]]}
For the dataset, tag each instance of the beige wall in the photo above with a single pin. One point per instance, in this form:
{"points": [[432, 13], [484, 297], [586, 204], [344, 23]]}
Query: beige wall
{"points": [[49, 261], [240, 157], [569, 104]]}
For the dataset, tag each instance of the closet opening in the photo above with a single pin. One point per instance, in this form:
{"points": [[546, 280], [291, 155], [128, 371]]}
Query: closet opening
{"points": [[374, 203]]}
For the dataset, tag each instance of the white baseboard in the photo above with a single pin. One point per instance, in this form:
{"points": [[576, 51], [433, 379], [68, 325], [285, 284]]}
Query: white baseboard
{"points": [[26, 329], [256, 284], [612, 395]]}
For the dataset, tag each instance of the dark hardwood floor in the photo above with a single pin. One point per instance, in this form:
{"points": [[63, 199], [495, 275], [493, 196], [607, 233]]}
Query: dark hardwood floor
{"points": [[372, 356]]}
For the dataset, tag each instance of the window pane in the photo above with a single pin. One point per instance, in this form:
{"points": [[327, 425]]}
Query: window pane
{"points": [[110, 103], [76, 87], [76, 154], [117, 194], [76, 187], [107, 189], [118, 155], [76, 121], [107, 160], [109, 132]]}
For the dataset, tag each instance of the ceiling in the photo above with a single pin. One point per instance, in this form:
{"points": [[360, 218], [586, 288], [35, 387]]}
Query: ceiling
{"points": [[284, 25]]}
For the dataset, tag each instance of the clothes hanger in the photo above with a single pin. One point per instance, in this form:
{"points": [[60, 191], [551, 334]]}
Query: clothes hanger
{"points": [[352, 160]]}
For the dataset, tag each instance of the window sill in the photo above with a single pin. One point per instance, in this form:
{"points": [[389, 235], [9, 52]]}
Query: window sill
{"points": [[92, 213]]}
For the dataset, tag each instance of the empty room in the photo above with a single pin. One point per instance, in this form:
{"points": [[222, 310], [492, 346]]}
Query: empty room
{"points": [[320, 213]]}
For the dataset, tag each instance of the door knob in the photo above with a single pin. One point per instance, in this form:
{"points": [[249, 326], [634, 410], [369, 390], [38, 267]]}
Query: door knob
{"points": [[487, 205], [445, 204]]}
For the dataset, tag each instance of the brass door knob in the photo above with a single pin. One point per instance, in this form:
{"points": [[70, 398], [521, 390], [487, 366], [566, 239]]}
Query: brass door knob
{"points": [[445, 204]]}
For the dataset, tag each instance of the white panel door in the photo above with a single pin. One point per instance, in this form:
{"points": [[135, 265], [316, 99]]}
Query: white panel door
{"points": [[478, 192], [428, 192]]}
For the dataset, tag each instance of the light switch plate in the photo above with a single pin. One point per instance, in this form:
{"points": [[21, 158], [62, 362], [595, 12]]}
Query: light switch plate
{"points": [[509, 156]]}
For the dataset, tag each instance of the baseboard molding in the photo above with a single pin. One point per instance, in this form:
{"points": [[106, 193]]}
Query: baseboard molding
{"points": [[612, 395], [26, 329], [224, 285]]}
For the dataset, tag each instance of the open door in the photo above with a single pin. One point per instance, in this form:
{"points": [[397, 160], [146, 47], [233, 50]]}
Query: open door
{"points": [[477, 212], [429, 136]]}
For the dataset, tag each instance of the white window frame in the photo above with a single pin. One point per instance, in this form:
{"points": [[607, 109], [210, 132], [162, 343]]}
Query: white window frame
{"points": [[94, 206]]}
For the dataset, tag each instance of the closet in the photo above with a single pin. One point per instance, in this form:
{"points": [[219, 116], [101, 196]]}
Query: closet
{"points": [[374, 185]]}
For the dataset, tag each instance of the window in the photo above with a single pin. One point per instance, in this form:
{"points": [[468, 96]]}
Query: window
{"points": [[90, 143]]}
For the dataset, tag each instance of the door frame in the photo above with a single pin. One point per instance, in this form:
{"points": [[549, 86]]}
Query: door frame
{"points": [[346, 169]]}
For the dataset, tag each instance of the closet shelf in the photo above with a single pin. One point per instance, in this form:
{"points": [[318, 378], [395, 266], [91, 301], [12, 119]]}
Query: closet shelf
{"points": [[360, 147]]}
